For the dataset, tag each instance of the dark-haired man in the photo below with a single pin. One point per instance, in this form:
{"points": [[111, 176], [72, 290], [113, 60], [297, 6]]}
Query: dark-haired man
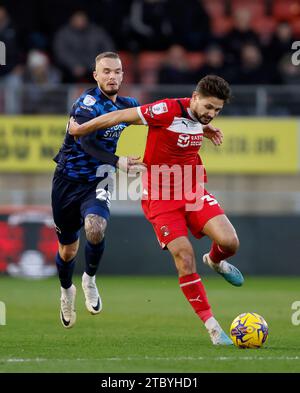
{"points": [[176, 129], [77, 200]]}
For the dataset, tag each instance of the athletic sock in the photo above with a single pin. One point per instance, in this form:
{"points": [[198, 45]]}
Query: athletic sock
{"points": [[211, 323], [218, 254], [93, 255], [65, 271], [194, 291]]}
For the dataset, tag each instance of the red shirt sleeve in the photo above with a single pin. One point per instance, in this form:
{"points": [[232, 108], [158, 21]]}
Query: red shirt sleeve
{"points": [[158, 114]]}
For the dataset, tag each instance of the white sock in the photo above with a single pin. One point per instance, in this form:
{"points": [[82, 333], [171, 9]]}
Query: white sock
{"points": [[66, 292], [86, 277], [212, 323]]}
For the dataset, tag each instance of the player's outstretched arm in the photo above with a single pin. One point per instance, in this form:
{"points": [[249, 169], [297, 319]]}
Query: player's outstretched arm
{"points": [[111, 119]]}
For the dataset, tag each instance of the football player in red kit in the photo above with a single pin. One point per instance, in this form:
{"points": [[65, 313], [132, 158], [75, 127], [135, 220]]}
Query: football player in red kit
{"points": [[176, 130]]}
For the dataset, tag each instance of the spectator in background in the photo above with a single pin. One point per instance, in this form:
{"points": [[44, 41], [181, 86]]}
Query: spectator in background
{"points": [[214, 64], [119, 10], [8, 36], [252, 70], [10, 74], [149, 25], [77, 44], [281, 43], [289, 73], [175, 67], [239, 35], [39, 71], [190, 23]]}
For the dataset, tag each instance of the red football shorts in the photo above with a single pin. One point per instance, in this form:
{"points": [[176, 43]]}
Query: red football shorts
{"points": [[171, 219]]}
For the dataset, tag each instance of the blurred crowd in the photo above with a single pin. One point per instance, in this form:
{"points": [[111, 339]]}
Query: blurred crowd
{"points": [[160, 41]]}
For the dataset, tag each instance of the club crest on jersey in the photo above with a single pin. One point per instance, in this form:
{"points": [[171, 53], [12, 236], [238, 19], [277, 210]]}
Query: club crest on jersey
{"points": [[89, 100], [160, 108], [165, 231], [183, 140]]}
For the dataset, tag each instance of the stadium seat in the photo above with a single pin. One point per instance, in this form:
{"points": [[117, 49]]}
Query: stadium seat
{"points": [[215, 8], [256, 7], [128, 63], [148, 65], [195, 59], [286, 9], [221, 25], [296, 27], [264, 25]]}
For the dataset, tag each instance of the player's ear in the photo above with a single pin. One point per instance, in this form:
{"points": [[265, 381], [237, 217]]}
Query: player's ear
{"points": [[195, 96], [95, 75]]}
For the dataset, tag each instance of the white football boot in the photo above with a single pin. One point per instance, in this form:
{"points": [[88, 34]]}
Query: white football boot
{"points": [[93, 301], [67, 306], [216, 333]]}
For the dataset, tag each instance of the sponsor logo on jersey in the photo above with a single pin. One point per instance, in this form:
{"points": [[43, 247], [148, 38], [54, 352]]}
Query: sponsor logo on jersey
{"points": [[89, 100], [183, 140], [160, 108], [114, 132]]}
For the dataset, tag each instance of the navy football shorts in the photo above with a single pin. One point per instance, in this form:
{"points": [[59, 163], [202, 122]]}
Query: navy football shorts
{"points": [[72, 202]]}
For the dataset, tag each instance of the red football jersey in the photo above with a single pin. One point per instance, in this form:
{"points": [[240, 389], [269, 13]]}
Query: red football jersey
{"points": [[174, 139]]}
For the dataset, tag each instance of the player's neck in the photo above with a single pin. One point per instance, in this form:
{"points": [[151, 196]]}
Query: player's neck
{"points": [[113, 98]]}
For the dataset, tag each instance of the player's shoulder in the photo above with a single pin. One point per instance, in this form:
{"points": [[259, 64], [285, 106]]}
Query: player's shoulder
{"points": [[87, 100], [89, 97], [128, 102], [167, 105]]}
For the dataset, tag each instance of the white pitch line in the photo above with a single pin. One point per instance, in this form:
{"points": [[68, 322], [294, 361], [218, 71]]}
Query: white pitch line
{"points": [[129, 358]]}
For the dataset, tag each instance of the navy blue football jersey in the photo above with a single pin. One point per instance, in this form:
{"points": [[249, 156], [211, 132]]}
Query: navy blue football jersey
{"points": [[74, 161]]}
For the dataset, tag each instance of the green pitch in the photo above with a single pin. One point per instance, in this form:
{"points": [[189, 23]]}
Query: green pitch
{"points": [[146, 326]]}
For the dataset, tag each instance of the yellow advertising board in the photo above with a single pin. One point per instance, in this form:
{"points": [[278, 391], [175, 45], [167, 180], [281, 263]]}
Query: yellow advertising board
{"points": [[29, 143], [251, 145]]}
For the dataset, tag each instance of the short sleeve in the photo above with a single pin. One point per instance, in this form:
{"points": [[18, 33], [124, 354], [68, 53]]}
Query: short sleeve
{"points": [[84, 109], [159, 114]]}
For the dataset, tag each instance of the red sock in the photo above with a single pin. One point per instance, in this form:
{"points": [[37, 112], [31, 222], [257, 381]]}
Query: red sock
{"points": [[194, 291], [217, 254]]}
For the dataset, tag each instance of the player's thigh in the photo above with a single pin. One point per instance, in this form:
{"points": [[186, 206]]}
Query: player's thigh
{"points": [[208, 210], [169, 226], [221, 230], [66, 211]]}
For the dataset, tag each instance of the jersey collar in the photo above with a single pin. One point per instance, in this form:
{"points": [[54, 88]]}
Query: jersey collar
{"points": [[192, 115]]}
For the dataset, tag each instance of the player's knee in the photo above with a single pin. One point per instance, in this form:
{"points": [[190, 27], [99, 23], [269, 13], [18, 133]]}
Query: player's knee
{"points": [[230, 242], [185, 262], [68, 253], [94, 226]]}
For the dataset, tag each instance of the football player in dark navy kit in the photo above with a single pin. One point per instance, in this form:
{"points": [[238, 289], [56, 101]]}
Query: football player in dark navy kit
{"points": [[76, 200]]}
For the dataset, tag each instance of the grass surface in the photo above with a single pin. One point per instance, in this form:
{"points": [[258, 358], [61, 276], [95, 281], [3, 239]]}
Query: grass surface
{"points": [[146, 326]]}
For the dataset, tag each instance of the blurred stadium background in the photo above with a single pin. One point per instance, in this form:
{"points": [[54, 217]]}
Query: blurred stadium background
{"points": [[165, 48]]}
